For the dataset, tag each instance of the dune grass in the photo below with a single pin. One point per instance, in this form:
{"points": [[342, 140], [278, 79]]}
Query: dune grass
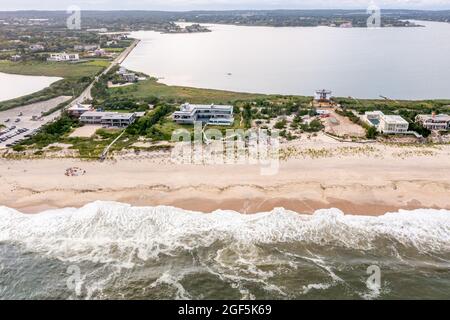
{"points": [[151, 87]]}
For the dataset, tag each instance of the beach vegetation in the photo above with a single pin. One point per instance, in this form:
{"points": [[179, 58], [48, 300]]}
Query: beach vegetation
{"points": [[280, 124], [371, 132], [314, 126]]}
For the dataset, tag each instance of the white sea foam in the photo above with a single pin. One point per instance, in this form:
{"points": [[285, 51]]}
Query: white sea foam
{"points": [[120, 233]]}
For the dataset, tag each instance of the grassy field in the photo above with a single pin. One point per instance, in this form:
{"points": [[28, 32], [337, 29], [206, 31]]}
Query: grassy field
{"points": [[180, 94], [114, 49], [55, 69]]}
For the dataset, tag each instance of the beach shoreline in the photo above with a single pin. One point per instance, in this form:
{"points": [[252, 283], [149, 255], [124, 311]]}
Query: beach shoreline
{"points": [[245, 206], [387, 179]]}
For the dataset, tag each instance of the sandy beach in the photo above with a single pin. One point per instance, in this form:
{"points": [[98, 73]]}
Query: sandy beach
{"points": [[383, 179]]}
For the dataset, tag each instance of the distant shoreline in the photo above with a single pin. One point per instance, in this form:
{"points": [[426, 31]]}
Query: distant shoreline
{"points": [[242, 73]]}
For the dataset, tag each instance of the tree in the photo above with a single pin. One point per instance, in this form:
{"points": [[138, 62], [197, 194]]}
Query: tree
{"points": [[419, 129]]}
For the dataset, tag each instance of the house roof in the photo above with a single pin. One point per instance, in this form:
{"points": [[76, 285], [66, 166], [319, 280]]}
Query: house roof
{"points": [[188, 108], [394, 119], [439, 117], [95, 114], [80, 107], [118, 116]]}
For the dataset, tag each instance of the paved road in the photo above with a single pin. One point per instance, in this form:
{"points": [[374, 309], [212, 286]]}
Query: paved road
{"points": [[86, 94]]}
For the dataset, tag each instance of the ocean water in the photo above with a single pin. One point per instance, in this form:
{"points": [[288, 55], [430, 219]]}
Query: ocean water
{"points": [[108, 250]]}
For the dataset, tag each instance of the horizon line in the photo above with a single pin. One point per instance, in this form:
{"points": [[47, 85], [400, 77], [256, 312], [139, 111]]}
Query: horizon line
{"points": [[225, 10]]}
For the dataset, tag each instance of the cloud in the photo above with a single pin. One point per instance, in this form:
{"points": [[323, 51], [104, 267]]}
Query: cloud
{"points": [[218, 4]]}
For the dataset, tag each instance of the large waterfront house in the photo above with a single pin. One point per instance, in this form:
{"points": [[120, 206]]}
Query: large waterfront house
{"points": [[434, 122], [388, 124], [129, 77], [58, 57], [78, 109], [109, 119], [209, 114]]}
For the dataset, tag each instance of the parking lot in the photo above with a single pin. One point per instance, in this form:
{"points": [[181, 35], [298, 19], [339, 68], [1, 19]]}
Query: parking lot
{"points": [[23, 121]]}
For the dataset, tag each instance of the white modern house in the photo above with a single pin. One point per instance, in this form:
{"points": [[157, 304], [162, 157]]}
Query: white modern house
{"points": [[388, 124], [58, 57], [117, 119], [210, 114], [393, 124], [109, 119], [434, 122]]}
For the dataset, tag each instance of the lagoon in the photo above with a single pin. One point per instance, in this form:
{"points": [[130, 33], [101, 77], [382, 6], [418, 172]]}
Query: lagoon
{"points": [[399, 63], [14, 86]]}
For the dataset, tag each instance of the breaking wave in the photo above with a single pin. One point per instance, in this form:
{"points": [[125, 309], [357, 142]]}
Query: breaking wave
{"points": [[120, 233], [108, 250]]}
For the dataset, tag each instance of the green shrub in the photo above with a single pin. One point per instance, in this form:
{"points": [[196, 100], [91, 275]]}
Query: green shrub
{"points": [[280, 124]]}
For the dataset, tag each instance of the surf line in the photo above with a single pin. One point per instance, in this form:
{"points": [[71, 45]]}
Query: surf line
{"points": [[199, 311]]}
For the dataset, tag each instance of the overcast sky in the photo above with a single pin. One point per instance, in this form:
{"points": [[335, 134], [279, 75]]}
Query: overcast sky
{"points": [[217, 4]]}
